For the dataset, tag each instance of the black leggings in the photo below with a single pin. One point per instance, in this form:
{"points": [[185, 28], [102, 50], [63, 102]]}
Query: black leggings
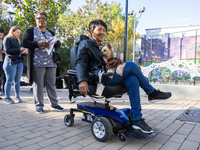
{"points": [[2, 77]]}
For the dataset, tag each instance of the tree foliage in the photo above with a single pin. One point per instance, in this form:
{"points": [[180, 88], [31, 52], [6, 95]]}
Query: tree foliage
{"points": [[4, 21], [76, 23], [26, 10]]}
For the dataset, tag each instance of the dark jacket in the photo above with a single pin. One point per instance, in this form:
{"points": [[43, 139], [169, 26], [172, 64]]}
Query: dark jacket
{"points": [[12, 47], [88, 59], [3, 54], [27, 42]]}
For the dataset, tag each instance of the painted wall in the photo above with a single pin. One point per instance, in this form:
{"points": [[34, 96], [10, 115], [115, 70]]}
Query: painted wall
{"points": [[165, 47]]}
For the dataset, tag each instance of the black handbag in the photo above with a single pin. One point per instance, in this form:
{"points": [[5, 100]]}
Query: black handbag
{"points": [[56, 58]]}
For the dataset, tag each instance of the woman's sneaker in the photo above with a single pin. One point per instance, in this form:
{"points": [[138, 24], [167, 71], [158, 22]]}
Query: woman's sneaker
{"points": [[142, 126], [18, 100], [158, 95], [8, 101], [58, 108]]}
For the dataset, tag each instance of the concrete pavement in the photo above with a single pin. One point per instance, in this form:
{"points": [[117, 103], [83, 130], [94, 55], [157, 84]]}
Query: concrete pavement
{"points": [[22, 128]]}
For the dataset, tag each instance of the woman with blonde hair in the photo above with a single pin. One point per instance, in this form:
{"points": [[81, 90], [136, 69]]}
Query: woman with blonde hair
{"points": [[13, 63]]}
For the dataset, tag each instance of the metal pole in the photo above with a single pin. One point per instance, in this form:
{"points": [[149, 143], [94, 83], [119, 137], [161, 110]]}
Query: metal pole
{"points": [[195, 53], [118, 48], [151, 55], [126, 31], [10, 21], [134, 34], [195, 47], [181, 48], [134, 40], [151, 48]]}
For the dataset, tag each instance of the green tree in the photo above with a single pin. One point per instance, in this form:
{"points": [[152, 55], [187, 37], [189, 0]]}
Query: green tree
{"points": [[26, 10], [76, 23], [4, 21]]}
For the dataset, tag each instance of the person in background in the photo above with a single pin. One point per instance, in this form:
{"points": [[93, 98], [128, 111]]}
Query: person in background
{"points": [[4, 76], [40, 65], [1, 60], [13, 63]]}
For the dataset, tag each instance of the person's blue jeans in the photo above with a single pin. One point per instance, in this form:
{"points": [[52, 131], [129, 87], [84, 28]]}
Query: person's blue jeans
{"points": [[13, 73], [132, 78]]}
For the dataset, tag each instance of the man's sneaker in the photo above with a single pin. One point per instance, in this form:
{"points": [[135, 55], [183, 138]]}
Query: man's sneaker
{"points": [[159, 95], [18, 100], [58, 108], [8, 101], [142, 126], [39, 110]]}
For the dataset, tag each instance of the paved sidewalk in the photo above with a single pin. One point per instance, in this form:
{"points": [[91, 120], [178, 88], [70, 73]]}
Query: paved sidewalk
{"points": [[22, 128]]}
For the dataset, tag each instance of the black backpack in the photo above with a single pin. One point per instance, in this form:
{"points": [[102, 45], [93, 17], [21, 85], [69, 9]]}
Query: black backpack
{"points": [[59, 83]]}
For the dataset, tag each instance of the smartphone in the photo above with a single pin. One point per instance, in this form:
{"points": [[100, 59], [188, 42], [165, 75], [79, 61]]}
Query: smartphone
{"points": [[23, 52]]}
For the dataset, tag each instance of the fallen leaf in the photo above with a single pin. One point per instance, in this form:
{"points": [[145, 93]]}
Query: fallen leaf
{"points": [[182, 120], [23, 110], [145, 95], [49, 125], [48, 108], [188, 110]]}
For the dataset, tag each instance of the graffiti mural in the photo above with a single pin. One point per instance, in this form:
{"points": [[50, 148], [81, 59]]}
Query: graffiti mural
{"points": [[160, 50]]}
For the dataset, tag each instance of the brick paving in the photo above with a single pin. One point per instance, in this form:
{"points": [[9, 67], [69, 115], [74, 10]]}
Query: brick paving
{"points": [[22, 128]]}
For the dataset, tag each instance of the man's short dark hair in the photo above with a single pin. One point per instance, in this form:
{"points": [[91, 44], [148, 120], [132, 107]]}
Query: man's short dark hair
{"points": [[95, 23], [1, 30], [41, 13]]}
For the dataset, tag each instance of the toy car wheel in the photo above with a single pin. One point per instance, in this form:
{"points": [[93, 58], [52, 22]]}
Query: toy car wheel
{"points": [[69, 120], [101, 129], [122, 137]]}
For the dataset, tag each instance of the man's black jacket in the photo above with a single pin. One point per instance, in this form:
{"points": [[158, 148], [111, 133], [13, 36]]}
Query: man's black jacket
{"points": [[88, 60]]}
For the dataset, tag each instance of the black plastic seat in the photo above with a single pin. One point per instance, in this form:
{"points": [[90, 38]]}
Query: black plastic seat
{"points": [[114, 90]]}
